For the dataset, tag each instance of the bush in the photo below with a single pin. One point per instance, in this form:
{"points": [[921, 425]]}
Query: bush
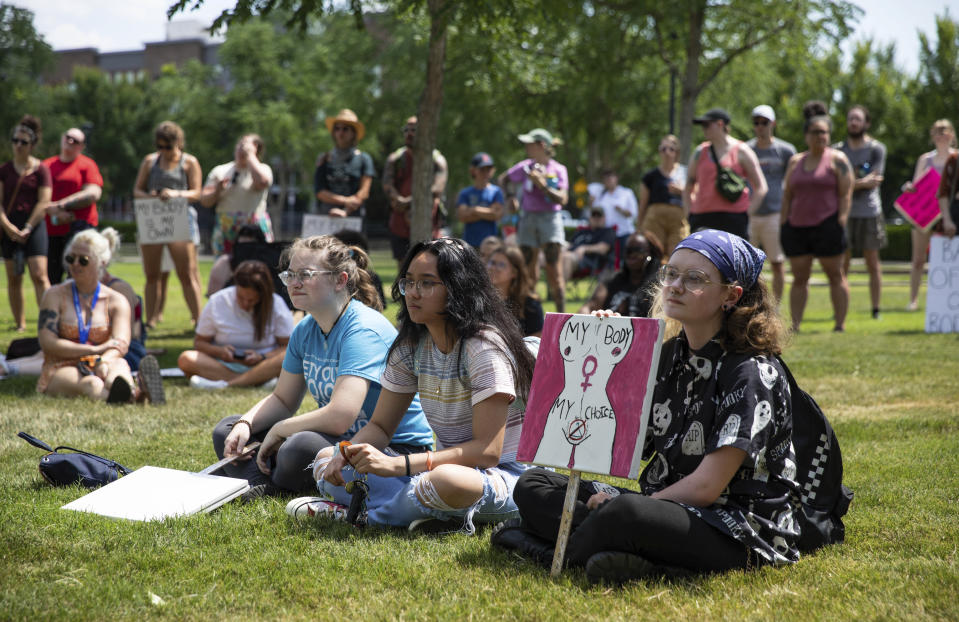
{"points": [[127, 230], [900, 243]]}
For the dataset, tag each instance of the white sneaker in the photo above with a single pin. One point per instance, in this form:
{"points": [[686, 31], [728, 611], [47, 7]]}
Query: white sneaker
{"points": [[199, 382], [270, 384], [307, 508]]}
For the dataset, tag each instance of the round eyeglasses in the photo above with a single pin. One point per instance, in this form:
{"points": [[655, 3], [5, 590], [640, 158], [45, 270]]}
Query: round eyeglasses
{"points": [[291, 277], [692, 280], [423, 287]]}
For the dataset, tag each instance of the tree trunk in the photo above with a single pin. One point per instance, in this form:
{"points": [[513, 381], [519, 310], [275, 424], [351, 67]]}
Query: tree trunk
{"points": [[689, 90], [421, 225]]}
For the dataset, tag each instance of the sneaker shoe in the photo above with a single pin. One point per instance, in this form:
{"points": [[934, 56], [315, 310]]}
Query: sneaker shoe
{"points": [[615, 567], [270, 384], [5, 368], [120, 392], [912, 306], [875, 314], [199, 382], [259, 491], [510, 535], [150, 381], [307, 508]]}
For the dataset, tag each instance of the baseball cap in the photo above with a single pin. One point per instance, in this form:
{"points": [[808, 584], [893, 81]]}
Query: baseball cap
{"points": [[481, 160], [765, 112], [538, 135], [713, 114], [597, 211]]}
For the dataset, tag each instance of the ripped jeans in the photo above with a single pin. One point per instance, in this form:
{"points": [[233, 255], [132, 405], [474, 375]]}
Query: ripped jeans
{"points": [[393, 502]]}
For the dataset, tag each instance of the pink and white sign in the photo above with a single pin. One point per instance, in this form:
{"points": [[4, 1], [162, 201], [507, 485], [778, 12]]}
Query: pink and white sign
{"points": [[921, 208], [591, 394]]}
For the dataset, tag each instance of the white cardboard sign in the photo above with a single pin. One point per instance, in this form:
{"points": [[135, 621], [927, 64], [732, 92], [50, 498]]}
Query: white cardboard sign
{"points": [[315, 224], [942, 291], [161, 221]]}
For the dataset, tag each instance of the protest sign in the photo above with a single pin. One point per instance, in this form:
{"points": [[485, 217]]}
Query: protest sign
{"points": [[591, 393], [160, 221], [315, 224], [942, 288], [921, 208]]}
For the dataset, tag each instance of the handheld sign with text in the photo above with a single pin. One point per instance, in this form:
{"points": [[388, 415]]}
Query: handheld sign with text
{"points": [[921, 208], [160, 221], [942, 289], [314, 224], [591, 393]]}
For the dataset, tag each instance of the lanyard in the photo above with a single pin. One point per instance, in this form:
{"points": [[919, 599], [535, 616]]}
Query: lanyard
{"points": [[83, 330]]}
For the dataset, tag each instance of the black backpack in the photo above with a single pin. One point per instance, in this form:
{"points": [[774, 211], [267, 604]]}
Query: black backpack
{"points": [[825, 500]]}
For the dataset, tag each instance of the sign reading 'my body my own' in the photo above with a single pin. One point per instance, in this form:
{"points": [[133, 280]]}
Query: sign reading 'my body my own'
{"points": [[942, 292], [160, 221]]}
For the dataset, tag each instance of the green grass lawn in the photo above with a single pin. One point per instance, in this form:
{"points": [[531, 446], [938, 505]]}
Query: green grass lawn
{"points": [[890, 390]]}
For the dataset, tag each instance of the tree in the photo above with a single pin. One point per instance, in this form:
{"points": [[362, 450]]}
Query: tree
{"points": [[24, 55]]}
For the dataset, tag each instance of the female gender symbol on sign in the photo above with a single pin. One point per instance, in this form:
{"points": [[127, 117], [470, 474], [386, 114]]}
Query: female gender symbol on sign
{"points": [[581, 425]]}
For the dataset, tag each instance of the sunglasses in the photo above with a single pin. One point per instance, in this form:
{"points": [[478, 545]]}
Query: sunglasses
{"points": [[83, 259], [19, 141], [762, 122], [164, 147], [72, 141], [342, 128]]}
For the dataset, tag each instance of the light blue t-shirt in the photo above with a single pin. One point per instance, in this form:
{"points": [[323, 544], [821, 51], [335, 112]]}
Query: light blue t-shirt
{"points": [[475, 232], [356, 346]]}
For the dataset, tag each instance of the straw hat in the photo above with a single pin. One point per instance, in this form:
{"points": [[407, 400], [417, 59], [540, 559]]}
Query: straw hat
{"points": [[348, 117]]}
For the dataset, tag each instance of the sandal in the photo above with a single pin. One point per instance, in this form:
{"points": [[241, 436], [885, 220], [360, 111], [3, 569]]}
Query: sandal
{"points": [[120, 392]]}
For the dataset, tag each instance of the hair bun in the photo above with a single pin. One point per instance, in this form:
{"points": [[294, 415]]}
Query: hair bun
{"points": [[814, 108]]}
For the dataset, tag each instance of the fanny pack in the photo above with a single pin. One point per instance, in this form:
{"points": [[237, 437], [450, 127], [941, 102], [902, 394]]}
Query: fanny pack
{"points": [[729, 184], [63, 469]]}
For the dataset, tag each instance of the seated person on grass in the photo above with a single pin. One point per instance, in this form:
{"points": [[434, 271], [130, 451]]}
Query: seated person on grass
{"points": [[589, 249], [720, 492], [242, 333], [629, 291], [337, 353]]}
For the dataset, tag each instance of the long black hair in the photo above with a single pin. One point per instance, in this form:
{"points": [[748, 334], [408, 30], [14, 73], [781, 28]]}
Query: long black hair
{"points": [[473, 305]]}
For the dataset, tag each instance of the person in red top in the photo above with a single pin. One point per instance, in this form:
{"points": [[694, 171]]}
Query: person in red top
{"points": [[704, 206], [77, 186]]}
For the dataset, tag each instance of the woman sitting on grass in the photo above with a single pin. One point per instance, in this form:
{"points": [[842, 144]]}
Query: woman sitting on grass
{"points": [[84, 330], [720, 491], [242, 333], [337, 352], [507, 271], [628, 291], [461, 349]]}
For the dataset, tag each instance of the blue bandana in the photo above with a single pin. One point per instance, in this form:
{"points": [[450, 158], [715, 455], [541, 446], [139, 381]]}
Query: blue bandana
{"points": [[735, 258]]}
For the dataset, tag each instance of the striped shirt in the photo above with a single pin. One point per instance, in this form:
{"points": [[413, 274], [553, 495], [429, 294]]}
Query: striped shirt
{"points": [[448, 397]]}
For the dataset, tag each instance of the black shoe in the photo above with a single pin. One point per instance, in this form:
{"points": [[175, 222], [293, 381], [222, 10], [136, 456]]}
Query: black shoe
{"points": [[120, 392], [616, 567], [151, 383], [512, 536], [260, 491]]}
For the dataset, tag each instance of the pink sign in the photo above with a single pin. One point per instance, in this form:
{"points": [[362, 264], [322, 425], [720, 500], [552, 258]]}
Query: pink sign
{"points": [[591, 394], [921, 208]]}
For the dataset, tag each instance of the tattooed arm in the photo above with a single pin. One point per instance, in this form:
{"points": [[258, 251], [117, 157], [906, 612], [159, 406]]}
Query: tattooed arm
{"points": [[846, 181], [48, 330]]}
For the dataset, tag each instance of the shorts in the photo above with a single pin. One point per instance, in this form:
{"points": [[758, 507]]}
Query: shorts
{"points": [[35, 246], [866, 234], [400, 246], [827, 239], [537, 229], [667, 223], [135, 353], [736, 223], [764, 231]]}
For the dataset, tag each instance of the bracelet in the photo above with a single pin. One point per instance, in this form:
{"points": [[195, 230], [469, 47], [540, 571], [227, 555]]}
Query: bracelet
{"points": [[248, 424], [429, 460], [407, 456]]}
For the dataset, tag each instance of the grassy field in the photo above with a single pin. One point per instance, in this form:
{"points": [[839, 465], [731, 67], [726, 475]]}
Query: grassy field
{"points": [[890, 390]]}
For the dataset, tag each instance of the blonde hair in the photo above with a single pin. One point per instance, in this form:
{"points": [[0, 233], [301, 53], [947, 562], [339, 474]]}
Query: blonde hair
{"points": [[103, 244], [946, 123], [338, 257], [672, 140]]}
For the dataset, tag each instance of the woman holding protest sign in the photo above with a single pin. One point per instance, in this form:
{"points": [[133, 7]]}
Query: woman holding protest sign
{"points": [[943, 136], [337, 353], [720, 491], [167, 174], [461, 350]]}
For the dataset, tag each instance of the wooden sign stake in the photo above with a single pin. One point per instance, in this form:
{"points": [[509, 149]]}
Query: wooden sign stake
{"points": [[565, 524]]}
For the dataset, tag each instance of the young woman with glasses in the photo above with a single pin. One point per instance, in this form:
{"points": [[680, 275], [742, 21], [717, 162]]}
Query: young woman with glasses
{"points": [[817, 197], [720, 490], [337, 353], [25, 189], [166, 174], [461, 350]]}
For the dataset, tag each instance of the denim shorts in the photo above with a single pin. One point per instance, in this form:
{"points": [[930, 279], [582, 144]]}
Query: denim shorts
{"points": [[392, 501], [539, 228]]}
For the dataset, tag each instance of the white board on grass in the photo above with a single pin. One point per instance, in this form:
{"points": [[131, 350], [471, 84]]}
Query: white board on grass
{"points": [[154, 493]]}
